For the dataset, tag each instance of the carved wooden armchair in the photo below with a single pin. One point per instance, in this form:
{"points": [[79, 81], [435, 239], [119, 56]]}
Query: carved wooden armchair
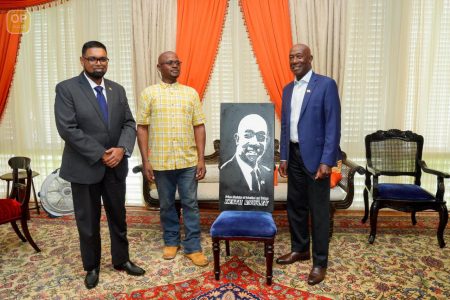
{"points": [[399, 153], [15, 207]]}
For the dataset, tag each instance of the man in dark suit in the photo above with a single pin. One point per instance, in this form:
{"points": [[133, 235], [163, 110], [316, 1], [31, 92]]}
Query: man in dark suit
{"points": [[94, 119], [244, 174], [310, 134]]}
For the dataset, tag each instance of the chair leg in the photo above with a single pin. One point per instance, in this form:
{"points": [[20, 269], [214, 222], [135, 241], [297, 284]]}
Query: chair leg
{"points": [[17, 231], [227, 247], [366, 205], [373, 221], [443, 219], [28, 236], [35, 198], [268, 250], [216, 254], [413, 218]]}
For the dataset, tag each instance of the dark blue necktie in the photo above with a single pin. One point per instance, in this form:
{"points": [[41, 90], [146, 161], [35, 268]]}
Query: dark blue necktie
{"points": [[255, 185], [102, 103]]}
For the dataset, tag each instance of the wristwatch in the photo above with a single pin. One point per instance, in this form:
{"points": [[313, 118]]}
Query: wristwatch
{"points": [[125, 150]]}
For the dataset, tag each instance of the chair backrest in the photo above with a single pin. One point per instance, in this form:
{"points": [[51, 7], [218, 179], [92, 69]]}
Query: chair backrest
{"points": [[21, 183], [19, 162], [395, 152]]}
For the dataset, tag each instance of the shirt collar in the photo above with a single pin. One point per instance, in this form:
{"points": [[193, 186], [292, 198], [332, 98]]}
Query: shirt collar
{"points": [[304, 79], [93, 84], [244, 166], [165, 85]]}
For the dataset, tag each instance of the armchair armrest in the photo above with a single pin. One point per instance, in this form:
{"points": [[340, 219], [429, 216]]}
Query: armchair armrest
{"points": [[146, 189], [425, 168], [348, 170], [372, 171], [137, 169], [440, 179]]}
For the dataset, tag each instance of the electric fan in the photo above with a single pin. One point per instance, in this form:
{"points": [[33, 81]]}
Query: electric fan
{"points": [[56, 195]]}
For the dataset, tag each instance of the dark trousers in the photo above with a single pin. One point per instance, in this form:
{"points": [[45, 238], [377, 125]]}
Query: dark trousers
{"points": [[307, 197], [87, 205]]}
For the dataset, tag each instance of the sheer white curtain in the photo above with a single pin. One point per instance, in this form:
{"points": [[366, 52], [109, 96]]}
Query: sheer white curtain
{"points": [[396, 76], [154, 31], [50, 53], [322, 25]]}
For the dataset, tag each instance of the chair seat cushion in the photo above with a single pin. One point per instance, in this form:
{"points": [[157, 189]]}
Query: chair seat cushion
{"points": [[244, 224], [9, 209], [410, 192]]}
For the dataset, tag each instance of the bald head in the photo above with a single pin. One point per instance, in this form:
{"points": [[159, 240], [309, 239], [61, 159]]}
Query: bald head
{"points": [[302, 48], [163, 56], [300, 59], [169, 66], [252, 122]]}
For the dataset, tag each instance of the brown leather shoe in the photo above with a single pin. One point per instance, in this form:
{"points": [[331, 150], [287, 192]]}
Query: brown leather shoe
{"points": [[292, 257], [316, 275]]}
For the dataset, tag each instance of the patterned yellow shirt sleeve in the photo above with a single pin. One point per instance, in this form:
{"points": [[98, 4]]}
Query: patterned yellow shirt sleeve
{"points": [[171, 111]]}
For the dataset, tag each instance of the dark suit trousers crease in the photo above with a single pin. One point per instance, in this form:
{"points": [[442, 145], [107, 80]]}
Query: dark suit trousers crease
{"points": [[87, 205], [307, 197]]}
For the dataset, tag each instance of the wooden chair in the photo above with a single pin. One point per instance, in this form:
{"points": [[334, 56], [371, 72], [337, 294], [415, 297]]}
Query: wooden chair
{"points": [[399, 153], [8, 177], [244, 226], [15, 207]]}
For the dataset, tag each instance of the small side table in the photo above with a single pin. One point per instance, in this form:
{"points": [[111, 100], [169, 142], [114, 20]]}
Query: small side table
{"points": [[22, 176]]}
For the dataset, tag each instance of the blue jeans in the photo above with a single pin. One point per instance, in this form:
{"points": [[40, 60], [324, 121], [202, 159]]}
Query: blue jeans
{"points": [[167, 183]]}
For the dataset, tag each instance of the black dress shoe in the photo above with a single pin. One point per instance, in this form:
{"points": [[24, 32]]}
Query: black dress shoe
{"points": [[91, 279], [292, 257], [316, 275], [130, 268]]}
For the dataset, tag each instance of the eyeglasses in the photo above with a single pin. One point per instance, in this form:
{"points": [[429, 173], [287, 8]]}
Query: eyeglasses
{"points": [[93, 59], [260, 135], [172, 63]]}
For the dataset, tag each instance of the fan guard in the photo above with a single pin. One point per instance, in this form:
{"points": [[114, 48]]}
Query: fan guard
{"points": [[56, 195]]}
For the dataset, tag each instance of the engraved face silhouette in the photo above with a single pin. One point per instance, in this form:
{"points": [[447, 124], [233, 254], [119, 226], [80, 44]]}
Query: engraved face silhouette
{"points": [[251, 139]]}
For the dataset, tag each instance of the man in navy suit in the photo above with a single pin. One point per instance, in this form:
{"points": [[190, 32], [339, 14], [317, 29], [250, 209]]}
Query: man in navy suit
{"points": [[310, 134], [94, 120]]}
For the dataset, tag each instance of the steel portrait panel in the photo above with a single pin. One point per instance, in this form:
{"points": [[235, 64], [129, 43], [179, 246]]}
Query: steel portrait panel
{"points": [[246, 156]]}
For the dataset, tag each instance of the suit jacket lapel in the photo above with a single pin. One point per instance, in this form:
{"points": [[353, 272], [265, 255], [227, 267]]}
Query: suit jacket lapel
{"points": [[111, 95], [90, 95], [308, 93], [288, 99]]}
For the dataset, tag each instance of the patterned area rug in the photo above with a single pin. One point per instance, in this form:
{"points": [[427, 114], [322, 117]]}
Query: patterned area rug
{"points": [[238, 281], [405, 262]]}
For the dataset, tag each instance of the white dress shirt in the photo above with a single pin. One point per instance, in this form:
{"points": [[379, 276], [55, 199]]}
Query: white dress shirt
{"points": [[247, 171], [93, 85], [298, 94]]}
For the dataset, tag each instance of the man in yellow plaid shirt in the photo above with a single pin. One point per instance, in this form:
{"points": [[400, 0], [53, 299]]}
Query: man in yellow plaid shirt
{"points": [[171, 138]]}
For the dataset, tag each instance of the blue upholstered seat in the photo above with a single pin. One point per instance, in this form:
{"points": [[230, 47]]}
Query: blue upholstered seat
{"points": [[409, 192], [244, 224]]}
